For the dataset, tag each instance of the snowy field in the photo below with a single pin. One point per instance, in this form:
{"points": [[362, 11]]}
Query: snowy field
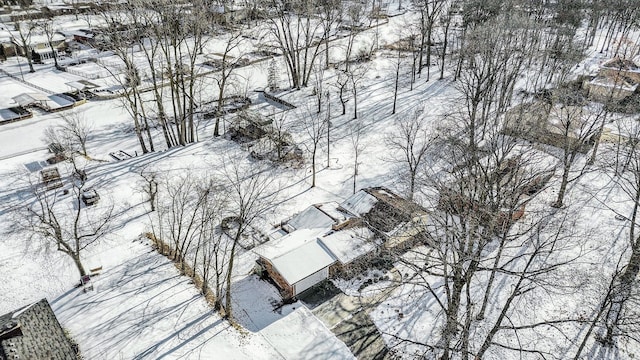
{"points": [[142, 308]]}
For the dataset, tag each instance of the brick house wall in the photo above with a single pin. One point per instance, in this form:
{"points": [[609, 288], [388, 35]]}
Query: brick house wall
{"points": [[286, 289]]}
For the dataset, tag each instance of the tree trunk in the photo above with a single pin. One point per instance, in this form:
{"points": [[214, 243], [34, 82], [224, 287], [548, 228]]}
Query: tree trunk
{"points": [[422, 41], [216, 128], [596, 145], [487, 293], [78, 263], [444, 48], [429, 50], [55, 56], [563, 185], [313, 167], [451, 326], [27, 54], [395, 91], [412, 184], [227, 305], [326, 51], [139, 135], [355, 102]]}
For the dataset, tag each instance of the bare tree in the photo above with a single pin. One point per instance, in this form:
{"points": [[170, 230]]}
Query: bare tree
{"points": [[49, 27], [180, 216], [356, 74], [216, 251], [170, 37], [120, 40], [411, 141], [618, 315], [72, 134], [279, 136], [445, 22], [25, 26], [397, 66], [356, 134], [488, 75], [342, 85], [315, 125], [477, 237], [188, 219], [149, 186], [295, 32], [62, 222], [429, 12], [577, 126], [251, 193], [330, 13], [318, 80], [231, 58], [355, 17]]}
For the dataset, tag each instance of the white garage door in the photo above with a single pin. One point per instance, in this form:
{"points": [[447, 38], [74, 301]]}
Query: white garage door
{"points": [[310, 280]]}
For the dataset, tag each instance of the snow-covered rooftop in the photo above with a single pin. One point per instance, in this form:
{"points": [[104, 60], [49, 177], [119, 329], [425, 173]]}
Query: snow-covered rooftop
{"points": [[273, 249], [303, 261], [331, 209], [359, 203], [311, 218], [619, 82], [621, 64], [348, 245], [315, 342], [29, 98]]}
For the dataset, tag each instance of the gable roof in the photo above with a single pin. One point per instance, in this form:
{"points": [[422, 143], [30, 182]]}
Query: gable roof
{"points": [[273, 249], [348, 245], [33, 332], [620, 64], [303, 261], [26, 99], [359, 203], [311, 218]]}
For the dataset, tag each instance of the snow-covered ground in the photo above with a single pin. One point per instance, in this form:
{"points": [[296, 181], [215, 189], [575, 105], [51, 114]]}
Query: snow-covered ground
{"points": [[142, 308]]}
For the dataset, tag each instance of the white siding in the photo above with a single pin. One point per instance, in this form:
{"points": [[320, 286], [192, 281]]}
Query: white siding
{"points": [[310, 280]]}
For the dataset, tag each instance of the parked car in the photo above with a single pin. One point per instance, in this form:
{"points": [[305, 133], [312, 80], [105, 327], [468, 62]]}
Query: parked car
{"points": [[90, 197]]}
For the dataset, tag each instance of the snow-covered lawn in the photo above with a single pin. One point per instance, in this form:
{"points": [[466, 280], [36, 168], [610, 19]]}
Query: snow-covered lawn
{"points": [[142, 308]]}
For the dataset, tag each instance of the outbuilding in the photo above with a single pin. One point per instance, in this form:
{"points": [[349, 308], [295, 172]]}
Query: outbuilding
{"points": [[299, 269]]}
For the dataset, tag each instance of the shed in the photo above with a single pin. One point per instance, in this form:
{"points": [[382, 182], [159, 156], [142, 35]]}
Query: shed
{"points": [[27, 99], [299, 269], [304, 258], [76, 85]]}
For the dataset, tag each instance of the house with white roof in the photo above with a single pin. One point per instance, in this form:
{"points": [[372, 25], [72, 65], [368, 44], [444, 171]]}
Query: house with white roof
{"points": [[303, 259], [299, 269], [326, 239]]}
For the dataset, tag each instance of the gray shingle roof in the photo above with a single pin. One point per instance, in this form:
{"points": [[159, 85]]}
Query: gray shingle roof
{"points": [[34, 333]]}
